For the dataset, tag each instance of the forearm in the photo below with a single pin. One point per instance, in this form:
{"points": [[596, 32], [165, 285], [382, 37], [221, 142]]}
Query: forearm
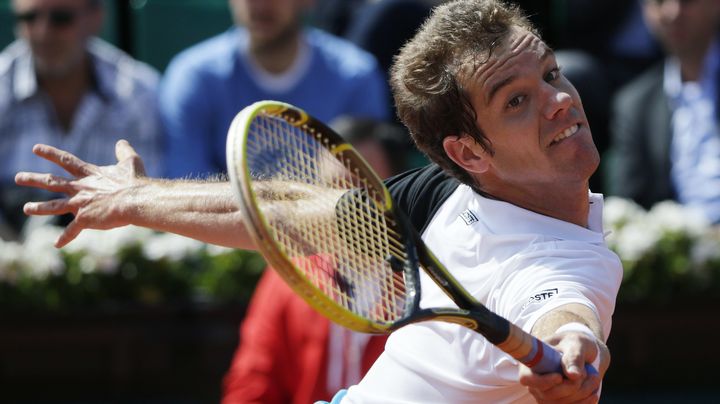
{"points": [[205, 211], [569, 313]]}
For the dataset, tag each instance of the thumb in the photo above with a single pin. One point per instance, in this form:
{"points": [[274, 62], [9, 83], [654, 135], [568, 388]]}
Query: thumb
{"points": [[123, 152]]}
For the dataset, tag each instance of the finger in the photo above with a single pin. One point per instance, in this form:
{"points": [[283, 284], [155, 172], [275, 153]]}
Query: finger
{"points": [[590, 386], [52, 207], [573, 391], [53, 183], [66, 160], [566, 391], [575, 350], [123, 151], [71, 232], [540, 382]]}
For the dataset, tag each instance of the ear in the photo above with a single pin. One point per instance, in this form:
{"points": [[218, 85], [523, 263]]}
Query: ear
{"points": [[467, 153]]}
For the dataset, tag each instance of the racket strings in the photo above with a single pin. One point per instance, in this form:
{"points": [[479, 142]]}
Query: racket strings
{"points": [[349, 262]]}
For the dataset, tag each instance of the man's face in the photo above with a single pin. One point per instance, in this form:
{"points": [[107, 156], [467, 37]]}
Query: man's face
{"points": [[56, 31], [683, 26], [532, 116], [269, 22]]}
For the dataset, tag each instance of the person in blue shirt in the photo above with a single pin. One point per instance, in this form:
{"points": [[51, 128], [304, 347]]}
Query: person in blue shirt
{"points": [[268, 55], [63, 86], [665, 123]]}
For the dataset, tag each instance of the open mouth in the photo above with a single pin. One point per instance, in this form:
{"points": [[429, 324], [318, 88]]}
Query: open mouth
{"points": [[565, 134]]}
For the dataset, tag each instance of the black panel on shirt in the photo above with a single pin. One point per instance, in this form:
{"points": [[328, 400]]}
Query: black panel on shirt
{"points": [[421, 192]]}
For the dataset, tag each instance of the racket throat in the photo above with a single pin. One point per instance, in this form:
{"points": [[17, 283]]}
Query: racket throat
{"points": [[491, 326]]}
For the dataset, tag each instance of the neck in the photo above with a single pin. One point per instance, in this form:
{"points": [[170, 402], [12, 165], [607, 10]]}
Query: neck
{"points": [[693, 61], [277, 57], [66, 92], [567, 204]]}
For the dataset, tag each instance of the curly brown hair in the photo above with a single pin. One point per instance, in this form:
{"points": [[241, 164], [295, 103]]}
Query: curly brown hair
{"points": [[426, 76]]}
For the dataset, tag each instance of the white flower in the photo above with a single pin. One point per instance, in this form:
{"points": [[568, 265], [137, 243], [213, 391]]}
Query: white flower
{"points": [[216, 250], [673, 217], [704, 250], [635, 232], [618, 211], [40, 257], [170, 246], [108, 242], [633, 240]]}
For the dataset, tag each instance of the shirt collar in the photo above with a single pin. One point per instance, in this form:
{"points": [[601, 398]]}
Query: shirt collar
{"points": [[672, 79], [25, 81], [503, 217]]}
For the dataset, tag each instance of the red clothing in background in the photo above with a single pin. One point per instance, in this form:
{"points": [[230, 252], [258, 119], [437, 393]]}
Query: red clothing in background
{"points": [[283, 352]]}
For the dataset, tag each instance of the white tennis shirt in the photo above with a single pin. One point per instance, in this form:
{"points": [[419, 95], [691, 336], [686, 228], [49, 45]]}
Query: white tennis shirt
{"points": [[521, 265]]}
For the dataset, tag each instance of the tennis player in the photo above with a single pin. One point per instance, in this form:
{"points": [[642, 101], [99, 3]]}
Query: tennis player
{"points": [[505, 206]]}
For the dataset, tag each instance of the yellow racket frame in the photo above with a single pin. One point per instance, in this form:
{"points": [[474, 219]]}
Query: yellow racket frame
{"points": [[257, 224]]}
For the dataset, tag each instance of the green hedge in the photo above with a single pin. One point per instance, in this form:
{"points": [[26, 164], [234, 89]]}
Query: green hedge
{"points": [[127, 266], [668, 253]]}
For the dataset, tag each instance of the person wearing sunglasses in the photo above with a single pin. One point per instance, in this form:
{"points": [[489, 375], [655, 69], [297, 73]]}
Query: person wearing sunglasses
{"points": [[61, 85]]}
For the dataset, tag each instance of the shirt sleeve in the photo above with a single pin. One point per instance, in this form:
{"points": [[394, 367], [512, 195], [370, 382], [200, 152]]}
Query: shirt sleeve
{"points": [[541, 281], [420, 193]]}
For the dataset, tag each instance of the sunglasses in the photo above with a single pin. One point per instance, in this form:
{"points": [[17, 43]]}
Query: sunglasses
{"points": [[57, 18]]}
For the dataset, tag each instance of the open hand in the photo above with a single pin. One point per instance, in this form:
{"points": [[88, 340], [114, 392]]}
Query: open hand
{"points": [[93, 193]]}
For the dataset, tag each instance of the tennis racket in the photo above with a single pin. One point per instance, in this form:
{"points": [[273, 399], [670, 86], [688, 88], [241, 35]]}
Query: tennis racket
{"points": [[328, 225]]}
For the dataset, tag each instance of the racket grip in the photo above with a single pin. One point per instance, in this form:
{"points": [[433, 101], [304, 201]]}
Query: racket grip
{"points": [[550, 361]]}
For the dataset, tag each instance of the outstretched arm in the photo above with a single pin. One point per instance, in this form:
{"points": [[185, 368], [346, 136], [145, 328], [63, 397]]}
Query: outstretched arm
{"points": [[119, 195]]}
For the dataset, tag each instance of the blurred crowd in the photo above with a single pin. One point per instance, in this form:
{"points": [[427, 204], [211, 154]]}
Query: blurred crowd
{"points": [[648, 72]]}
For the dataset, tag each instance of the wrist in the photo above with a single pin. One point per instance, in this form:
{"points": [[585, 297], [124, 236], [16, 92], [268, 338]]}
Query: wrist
{"points": [[583, 329], [133, 203]]}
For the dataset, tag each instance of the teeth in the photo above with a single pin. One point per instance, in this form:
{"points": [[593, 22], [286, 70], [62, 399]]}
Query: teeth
{"points": [[566, 133]]}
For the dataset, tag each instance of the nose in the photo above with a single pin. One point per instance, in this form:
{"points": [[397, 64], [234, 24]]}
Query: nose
{"points": [[670, 10], [667, 10], [558, 101]]}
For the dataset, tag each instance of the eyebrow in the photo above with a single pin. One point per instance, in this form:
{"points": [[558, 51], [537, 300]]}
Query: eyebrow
{"points": [[547, 52]]}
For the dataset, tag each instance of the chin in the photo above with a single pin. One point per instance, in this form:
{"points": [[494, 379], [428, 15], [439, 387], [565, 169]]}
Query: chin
{"points": [[52, 70]]}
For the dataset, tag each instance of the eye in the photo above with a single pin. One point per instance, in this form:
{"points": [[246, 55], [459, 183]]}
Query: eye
{"points": [[552, 75], [515, 101]]}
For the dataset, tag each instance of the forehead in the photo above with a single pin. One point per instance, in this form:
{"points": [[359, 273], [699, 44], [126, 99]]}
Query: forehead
{"points": [[520, 51]]}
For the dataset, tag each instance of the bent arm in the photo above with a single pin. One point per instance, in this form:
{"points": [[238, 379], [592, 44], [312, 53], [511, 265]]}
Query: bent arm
{"points": [[547, 326]]}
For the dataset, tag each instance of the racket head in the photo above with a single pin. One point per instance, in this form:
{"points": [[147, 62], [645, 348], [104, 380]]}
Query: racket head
{"points": [[354, 268]]}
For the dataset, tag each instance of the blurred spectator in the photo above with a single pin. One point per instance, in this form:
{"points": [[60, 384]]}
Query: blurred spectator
{"points": [[61, 86], [382, 27], [334, 16], [288, 352], [386, 146], [666, 143], [269, 55]]}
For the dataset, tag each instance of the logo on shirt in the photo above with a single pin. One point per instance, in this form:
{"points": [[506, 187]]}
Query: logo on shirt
{"points": [[468, 217], [540, 296]]}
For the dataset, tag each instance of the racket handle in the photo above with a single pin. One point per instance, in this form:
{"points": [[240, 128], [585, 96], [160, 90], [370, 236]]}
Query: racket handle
{"points": [[540, 357], [550, 361]]}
